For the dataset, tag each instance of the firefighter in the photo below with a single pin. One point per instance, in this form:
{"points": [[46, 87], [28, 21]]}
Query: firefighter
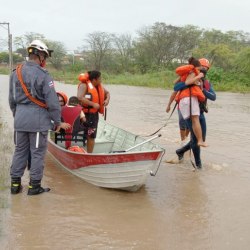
{"points": [[34, 104]]}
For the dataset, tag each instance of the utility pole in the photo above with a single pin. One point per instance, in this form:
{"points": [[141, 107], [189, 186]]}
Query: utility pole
{"points": [[9, 45]]}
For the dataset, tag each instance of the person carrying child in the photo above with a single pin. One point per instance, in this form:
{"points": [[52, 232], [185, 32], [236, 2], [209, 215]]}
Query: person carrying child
{"points": [[210, 94], [189, 98]]}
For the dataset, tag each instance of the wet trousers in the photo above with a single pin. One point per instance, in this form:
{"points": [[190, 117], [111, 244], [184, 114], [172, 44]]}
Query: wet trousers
{"points": [[193, 141], [34, 143]]}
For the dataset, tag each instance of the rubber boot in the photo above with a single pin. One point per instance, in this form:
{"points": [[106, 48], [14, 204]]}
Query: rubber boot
{"points": [[16, 186], [35, 188]]}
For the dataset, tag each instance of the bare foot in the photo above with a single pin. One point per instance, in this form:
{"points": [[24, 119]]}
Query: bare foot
{"points": [[175, 160], [202, 144]]}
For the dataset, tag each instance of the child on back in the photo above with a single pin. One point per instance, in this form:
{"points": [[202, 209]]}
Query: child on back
{"points": [[190, 97]]}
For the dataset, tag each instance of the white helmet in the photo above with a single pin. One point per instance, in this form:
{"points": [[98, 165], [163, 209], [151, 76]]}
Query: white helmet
{"points": [[38, 45]]}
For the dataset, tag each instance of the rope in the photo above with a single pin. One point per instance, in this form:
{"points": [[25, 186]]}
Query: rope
{"points": [[190, 151], [166, 123]]}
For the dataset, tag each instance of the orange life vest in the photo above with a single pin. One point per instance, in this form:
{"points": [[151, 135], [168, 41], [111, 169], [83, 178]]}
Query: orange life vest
{"points": [[193, 90], [96, 95], [84, 77], [77, 149]]}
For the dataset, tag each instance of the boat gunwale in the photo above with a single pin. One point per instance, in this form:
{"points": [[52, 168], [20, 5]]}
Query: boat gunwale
{"points": [[160, 149]]}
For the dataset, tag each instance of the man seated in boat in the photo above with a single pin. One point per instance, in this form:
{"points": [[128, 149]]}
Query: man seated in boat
{"points": [[93, 97], [72, 113]]}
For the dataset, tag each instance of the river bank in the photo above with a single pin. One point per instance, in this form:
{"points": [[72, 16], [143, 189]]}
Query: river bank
{"points": [[162, 79]]}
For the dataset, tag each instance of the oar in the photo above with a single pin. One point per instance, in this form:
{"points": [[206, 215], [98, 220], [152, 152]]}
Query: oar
{"points": [[150, 139]]}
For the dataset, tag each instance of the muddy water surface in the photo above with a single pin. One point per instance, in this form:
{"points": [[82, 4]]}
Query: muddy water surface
{"points": [[177, 209]]}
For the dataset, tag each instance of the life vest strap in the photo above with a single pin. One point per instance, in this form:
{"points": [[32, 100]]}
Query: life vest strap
{"points": [[24, 87]]}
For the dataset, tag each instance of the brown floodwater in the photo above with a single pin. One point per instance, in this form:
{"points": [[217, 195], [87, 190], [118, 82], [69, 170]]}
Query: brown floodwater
{"points": [[176, 209]]}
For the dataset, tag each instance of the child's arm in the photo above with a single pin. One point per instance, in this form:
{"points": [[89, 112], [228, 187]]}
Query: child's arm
{"points": [[171, 99], [177, 80], [192, 78]]}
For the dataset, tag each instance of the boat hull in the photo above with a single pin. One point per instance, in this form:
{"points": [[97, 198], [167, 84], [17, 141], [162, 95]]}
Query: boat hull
{"points": [[126, 171]]}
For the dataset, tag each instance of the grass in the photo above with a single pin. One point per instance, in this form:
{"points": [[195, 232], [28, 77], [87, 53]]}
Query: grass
{"points": [[163, 79], [4, 70], [154, 80], [5, 154]]}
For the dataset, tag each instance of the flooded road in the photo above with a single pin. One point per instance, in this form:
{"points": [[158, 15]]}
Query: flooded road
{"points": [[177, 209]]}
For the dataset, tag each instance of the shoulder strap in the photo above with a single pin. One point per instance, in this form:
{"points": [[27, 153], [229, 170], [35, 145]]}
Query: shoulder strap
{"points": [[27, 93]]}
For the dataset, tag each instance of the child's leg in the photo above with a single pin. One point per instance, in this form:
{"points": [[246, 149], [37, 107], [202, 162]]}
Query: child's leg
{"points": [[197, 130], [183, 134], [183, 127]]}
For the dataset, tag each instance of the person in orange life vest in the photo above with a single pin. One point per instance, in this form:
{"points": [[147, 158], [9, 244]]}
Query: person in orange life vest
{"points": [[210, 95], [62, 98], [192, 79], [72, 113], [93, 97]]}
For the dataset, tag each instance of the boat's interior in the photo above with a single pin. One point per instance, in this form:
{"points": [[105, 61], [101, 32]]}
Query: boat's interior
{"points": [[111, 139]]}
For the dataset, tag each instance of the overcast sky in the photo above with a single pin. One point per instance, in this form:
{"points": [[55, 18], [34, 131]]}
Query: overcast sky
{"points": [[70, 21]]}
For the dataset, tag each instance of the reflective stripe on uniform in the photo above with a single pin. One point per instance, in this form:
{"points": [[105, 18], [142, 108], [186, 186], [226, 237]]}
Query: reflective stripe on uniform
{"points": [[37, 139]]}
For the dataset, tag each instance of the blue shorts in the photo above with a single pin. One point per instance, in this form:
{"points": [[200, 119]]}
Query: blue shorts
{"points": [[182, 123]]}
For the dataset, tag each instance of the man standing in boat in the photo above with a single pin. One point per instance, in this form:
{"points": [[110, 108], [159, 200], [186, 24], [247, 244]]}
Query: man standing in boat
{"points": [[93, 97], [34, 103]]}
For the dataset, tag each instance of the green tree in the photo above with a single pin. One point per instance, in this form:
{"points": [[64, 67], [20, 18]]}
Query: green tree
{"points": [[99, 48], [58, 55], [4, 57], [123, 51], [242, 61], [156, 45], [220, 55], [21, 42], [187, 39]]}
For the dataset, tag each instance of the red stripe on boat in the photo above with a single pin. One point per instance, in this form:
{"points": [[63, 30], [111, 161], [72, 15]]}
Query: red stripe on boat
{"points": [[75, 161]]}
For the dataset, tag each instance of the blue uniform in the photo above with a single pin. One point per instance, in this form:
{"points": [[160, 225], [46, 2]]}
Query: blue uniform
{"points": [[32, 122]]}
